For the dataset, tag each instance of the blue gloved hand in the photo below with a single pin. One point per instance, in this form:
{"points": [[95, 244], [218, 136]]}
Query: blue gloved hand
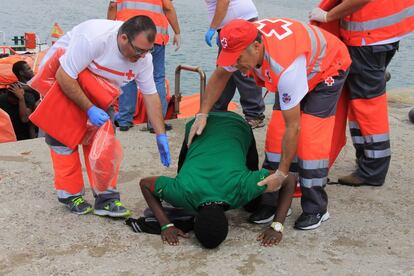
{"points": [[218, 40], [97, 116], [164, 149], [209, 35]]}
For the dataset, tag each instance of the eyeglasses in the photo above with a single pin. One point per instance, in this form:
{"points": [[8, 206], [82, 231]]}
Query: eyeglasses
{"points": [[139, 51]]}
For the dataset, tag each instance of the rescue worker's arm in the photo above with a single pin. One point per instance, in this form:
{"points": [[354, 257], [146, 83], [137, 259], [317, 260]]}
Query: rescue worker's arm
{"points": [[214, 89], [270, 237], [347, 7], [169, 235], [71, 88], [171, 15], [154, 111], [111, 14], [220, 13], [290, 138]]}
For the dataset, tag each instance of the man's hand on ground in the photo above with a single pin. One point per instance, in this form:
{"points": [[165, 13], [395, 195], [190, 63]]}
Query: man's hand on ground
{"points": [[171, 234], [270, 237], [197, 127]]}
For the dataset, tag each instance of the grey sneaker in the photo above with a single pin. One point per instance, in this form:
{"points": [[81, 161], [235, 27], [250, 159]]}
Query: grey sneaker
{"points": [[77, 205], [112, 208]]}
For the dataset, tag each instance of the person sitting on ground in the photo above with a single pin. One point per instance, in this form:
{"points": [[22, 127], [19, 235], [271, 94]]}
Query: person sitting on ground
{"points": [[218, 172]]}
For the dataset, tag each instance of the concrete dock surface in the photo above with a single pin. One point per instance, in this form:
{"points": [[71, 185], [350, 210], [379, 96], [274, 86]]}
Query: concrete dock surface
{"points": [[370, 232]]}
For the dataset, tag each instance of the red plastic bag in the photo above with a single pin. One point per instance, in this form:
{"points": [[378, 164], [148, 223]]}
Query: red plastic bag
{"points": [[6, 128], [105, 158], [45, 78]]}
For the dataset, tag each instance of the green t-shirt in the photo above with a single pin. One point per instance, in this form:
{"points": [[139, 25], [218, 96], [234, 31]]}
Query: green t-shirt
{"points": [[215, 166]]}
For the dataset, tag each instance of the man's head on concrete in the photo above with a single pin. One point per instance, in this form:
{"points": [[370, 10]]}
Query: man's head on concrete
{"points": [[136, 37], [211, 225]]}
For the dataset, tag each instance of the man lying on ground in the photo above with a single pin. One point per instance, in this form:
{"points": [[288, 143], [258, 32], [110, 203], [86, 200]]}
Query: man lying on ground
{"points": [[217, 173]]}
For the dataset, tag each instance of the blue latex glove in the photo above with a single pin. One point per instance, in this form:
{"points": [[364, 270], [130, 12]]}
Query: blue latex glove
{"points": [[209, 35], [164, 149], [97, 116]]}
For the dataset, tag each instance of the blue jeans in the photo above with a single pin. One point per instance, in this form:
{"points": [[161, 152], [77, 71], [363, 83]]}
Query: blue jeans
{"points": [[127, 103], [158, 60], [128, 98]]}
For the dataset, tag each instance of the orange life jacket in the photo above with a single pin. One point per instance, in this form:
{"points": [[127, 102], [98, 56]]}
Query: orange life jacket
{"points": [[286, 39], [151, 8], [6, 128], [57, 115], [378, 21]]}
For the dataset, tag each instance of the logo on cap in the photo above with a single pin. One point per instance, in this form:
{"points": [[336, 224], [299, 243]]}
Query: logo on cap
{"points": [[224, 43]]}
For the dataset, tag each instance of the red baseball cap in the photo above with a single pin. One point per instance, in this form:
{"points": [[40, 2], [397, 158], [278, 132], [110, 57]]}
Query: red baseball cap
{"points": [[234, 38]]}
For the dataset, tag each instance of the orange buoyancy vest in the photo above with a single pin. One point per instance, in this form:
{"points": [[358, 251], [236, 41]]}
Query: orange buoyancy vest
{"points": [[286, 39], [151, 8], [378, 21]]}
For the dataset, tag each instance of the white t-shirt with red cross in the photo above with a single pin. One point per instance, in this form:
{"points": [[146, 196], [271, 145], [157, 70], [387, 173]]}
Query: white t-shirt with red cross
{"points": [[293, 83], [93, 45]]}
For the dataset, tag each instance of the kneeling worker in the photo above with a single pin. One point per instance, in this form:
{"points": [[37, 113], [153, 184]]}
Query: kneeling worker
{"points": [[218, 172]]}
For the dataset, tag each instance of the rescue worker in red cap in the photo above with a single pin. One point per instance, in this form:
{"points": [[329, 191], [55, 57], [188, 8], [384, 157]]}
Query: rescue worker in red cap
{"points": [[306, 68], [372, 31]]}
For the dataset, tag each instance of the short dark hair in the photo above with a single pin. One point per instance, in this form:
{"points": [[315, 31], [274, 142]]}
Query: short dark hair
{"points": [[138, 24], [18, 67], [211, 226]]}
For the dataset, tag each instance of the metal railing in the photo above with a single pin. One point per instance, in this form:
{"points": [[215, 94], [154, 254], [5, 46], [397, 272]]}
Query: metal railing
{"points": [[177, 83]]}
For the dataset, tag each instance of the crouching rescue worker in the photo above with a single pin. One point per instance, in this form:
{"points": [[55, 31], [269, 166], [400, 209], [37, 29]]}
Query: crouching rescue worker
{"points": [[217, 173], [306, 67], [118, 52]]}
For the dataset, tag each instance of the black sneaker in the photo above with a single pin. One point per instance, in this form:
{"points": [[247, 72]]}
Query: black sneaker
{"points": [[77, 205], [124, 128], [166, 126], [311, 221]]}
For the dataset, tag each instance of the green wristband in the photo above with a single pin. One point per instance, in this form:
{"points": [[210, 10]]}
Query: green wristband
{"points": [[165, 227]]}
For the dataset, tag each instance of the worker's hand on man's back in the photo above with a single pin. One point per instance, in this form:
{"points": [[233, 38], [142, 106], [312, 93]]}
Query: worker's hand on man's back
{"points": [[164, 149], [273, 182], [97, 116], [197, 127]]}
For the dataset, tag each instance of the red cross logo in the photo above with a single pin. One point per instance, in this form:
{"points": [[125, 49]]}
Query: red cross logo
{"points": [[276, 27], [130, 74], [329, 81]]}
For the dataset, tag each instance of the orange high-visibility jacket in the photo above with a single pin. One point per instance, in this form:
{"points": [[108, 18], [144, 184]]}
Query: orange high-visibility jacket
{"points": [[151, 8], [286, 39], [378, 21]]}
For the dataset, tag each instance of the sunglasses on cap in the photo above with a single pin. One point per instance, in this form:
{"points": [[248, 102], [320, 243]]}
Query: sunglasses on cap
{"points": [[139, 51]]}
